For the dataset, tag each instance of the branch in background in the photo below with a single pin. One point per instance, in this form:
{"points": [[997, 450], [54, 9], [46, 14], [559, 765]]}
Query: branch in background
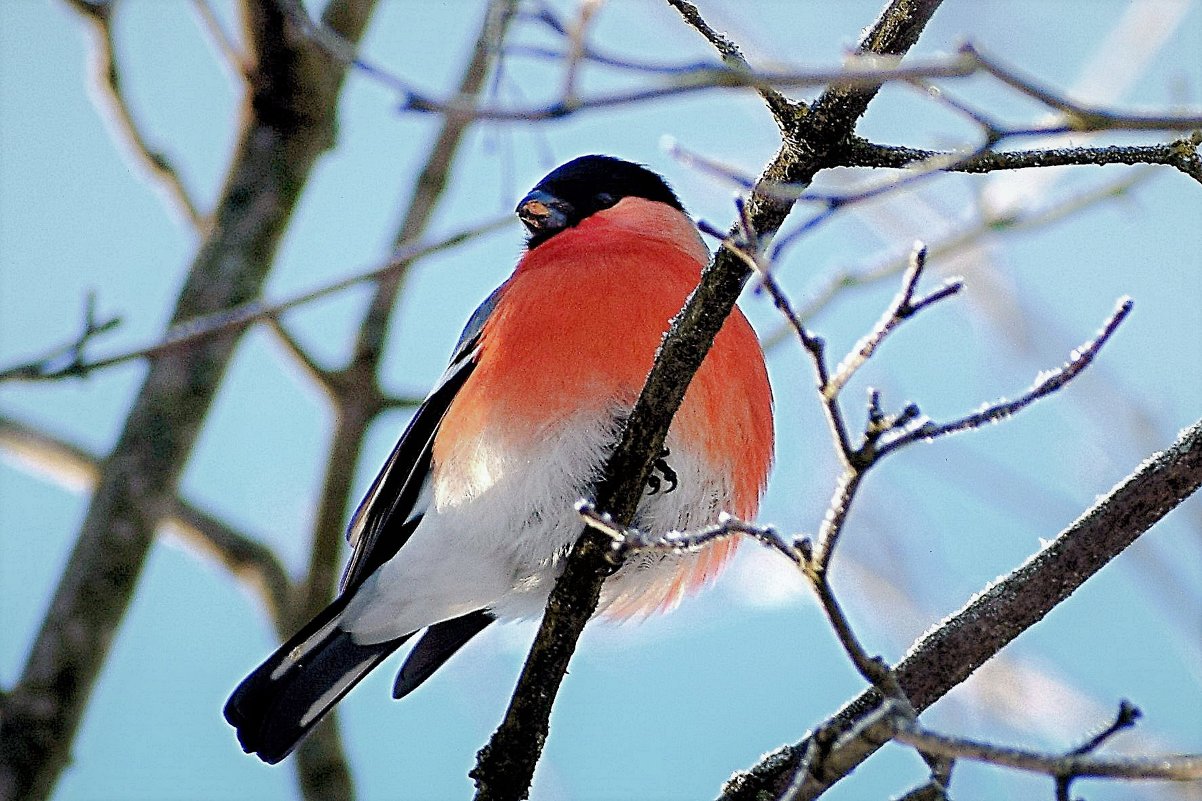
{"points": [[289, 122], [67, 359], [1064, 768], [233, 320], [858, 75], [326, 380], [951, 244], [221, 37], [99, 15], [864, 72], [1077, 116], [78, 470], [732, 56]]}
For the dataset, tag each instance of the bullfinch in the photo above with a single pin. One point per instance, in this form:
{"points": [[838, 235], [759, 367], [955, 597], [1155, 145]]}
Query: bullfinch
{"points": [[472, 516]]}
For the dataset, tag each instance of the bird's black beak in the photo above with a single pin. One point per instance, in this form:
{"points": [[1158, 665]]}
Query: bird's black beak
{"points": [[543, 214]]}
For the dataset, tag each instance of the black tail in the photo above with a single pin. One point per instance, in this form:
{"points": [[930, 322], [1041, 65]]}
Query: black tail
{"points": [[437, 645], [276, 705]]}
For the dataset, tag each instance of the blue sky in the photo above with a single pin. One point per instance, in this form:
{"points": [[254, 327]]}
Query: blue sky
{"points": [[935, 524]]}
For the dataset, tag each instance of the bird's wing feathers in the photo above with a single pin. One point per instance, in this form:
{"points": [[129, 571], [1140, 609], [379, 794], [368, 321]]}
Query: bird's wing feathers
{"points": [[397, 499]]}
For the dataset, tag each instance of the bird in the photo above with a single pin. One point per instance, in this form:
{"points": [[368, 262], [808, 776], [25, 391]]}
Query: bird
{"points": [[472, 516]]}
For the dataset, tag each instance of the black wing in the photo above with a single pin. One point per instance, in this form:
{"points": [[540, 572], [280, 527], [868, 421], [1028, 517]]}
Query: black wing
{"points": [[394, 505]]}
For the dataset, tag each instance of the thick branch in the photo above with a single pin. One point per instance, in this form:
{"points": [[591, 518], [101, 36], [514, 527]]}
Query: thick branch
{"points": [[289, 121], [948, 655], [506, 765]]}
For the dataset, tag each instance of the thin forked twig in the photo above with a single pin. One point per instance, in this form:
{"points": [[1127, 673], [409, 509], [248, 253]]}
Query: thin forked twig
{"points": [[1045, 384], [902, 308], [69, 358]]}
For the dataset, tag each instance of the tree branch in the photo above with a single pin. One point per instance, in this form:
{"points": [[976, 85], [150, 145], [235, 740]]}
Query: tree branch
{"points": [[289, 121], [99, 15], [1059, 766], [505, 765], [74, 467], [781, 107], [950, 653], [233, 320], [1181, 154]]}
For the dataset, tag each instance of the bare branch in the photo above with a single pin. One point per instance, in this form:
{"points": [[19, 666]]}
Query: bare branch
{"points": [[1059, 766], [627, 540], [903, 307], [1180, 153], [326, 380], [248, 560], [220, 36], [69, 359], [1127, 715], [949, 653], [782, 108], [76, 469], [236, 319], [506, 765], [1078, 116], [110, 85], [1045, 384], [990, 223]]}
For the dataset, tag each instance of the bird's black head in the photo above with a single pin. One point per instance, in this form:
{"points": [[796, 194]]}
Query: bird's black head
{"points": [[571, 193]]}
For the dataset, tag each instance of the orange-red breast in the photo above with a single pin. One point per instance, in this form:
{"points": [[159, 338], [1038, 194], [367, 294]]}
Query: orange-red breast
{"points": [[472, 516]]}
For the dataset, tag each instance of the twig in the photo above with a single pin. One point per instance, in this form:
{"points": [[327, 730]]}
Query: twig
{"points": [[627, 540], [220, 36], [950, 652], [1059, 766], [326, 380], [50, 364], [782, 108], [1045, 384], [109, 82], [902, 308], [239, 317], [1127, 715], [1079, 116], [577, 41]]}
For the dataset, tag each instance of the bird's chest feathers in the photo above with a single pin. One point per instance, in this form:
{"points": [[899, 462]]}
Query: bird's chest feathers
{"points": [[579, 325]]}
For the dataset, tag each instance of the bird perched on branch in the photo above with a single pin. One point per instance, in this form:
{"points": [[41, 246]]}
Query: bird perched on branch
{"points": [[472, 517]]}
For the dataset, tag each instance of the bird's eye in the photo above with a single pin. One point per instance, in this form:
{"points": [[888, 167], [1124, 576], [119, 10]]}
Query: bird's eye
{"points": [[605, 200]]}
